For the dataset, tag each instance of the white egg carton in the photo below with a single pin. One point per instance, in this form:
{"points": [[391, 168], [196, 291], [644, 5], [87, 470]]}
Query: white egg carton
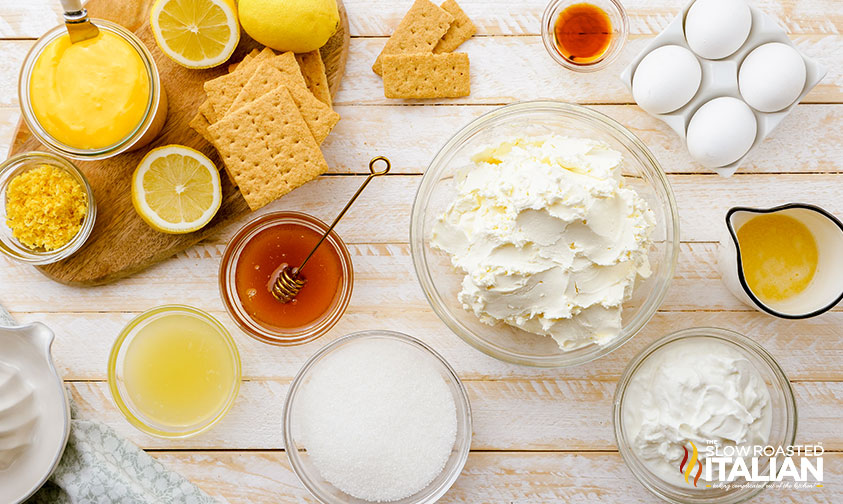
{"points": [[720, 77]]}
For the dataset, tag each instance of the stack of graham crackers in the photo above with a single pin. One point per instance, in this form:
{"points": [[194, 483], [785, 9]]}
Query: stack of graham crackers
{"points": [[267, 118], [418, 62]]}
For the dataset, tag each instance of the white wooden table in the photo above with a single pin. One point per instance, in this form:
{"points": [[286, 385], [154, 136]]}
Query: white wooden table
{"points": [[539, 435]]}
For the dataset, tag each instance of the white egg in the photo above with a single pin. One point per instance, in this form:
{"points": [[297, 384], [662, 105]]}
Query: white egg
{"points": [[721, 132], [666, 79], [772, 77], [715, 29]]}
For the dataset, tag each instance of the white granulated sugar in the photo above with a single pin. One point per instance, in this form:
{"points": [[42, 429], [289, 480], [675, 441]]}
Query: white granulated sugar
{"points": [[377, 419]]}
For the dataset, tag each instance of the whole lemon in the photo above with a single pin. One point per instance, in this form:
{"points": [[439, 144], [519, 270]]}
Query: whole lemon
{"points": [[290, 25]]}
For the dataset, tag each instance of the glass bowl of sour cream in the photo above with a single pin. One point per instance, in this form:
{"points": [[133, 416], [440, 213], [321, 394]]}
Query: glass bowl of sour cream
{"points": [[701, 413], [544, 234]]}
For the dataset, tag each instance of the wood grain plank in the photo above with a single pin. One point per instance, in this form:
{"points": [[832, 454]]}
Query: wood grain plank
{"points": [[539, 414], [504, 70], [12, 53], [501, 17], [512, 478], [803, 143], [508, 69], [382, 214], [9, 117], [374, 18], [806, 349], [384, 276]]}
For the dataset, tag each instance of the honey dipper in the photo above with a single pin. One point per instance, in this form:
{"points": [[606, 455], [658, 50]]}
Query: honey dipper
{"points": [[290, 281]]}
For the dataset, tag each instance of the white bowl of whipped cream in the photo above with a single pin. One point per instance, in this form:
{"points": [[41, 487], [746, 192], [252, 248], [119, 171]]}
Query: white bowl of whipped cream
{"points": [[699, 407], [544, 234]]}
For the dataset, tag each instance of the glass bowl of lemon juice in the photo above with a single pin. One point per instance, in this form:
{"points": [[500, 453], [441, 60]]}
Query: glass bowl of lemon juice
{"points": [[174, 371]]}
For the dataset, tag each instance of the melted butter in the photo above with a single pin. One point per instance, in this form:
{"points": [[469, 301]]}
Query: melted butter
{"points": [[778, 255]]}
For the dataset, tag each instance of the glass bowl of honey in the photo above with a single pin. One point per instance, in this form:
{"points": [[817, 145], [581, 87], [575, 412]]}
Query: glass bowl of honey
{"points": [[252, 262], [174, 371], [584, 36]]}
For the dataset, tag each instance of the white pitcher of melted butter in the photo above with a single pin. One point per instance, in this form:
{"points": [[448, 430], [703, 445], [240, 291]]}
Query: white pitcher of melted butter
{"points": [[786, 261]]}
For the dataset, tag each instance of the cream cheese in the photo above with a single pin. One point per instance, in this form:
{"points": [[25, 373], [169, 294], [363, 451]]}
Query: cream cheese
{"points": [[698, 390], [549, 237]]}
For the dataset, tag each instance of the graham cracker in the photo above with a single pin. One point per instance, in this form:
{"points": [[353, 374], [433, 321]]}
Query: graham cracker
{"points": [[461, 28], [233, 66], [200, 124], [268, 148], [224, 89], [426, 75], [419, 32], [313, 70], [207, 110], [283, 70]]}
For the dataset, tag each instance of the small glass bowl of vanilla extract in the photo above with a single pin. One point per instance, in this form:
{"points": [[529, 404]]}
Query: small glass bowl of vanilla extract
{"points": [[584, 36]]}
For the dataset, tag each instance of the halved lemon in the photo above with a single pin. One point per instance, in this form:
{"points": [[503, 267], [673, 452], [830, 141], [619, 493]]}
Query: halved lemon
{"points": [[196, 33], [176, 189]]}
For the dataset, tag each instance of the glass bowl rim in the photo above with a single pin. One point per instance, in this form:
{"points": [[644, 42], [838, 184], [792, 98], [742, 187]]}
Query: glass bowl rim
{"points": [[128, 330], [8, 169], [549, 38], [295, 336], [46, 139], [425, 190], [725, 335], [451, 374]]}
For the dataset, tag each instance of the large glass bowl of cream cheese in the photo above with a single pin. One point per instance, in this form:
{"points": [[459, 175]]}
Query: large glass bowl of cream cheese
{"points": [[700, 414], [544, 234]]}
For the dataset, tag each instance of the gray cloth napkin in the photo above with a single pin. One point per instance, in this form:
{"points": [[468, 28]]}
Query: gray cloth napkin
{"points": [[100, 467], [5, 318]]}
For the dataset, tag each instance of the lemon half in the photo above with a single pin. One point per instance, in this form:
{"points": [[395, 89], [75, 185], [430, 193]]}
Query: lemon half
{"points": [[196, 33], [176, 189]]}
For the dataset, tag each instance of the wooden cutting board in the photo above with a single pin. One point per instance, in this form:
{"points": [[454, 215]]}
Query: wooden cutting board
{"points": [[121, 243]]}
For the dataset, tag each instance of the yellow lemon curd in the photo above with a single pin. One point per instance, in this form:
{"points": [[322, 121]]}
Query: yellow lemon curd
{"points": [[91, 94], [778, 255]]}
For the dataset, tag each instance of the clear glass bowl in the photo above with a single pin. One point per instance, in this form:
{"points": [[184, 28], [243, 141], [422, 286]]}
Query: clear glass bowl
{"points": [[309, 475], [149, 127], [620, 31], [440, 281], [9, 245], [275, 335], [117, 384], [782, 433]]}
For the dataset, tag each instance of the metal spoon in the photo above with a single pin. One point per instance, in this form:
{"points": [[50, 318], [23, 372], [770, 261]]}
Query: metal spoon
{"points": [[290, 281], [79, 26]]}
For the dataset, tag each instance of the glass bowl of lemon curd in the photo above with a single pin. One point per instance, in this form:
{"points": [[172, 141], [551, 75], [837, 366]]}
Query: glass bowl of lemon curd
{"points": [[93, 99], [174, 371]]}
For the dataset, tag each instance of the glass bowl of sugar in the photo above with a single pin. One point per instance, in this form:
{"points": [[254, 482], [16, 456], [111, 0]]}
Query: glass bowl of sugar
{"points": [[377, 416]]}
